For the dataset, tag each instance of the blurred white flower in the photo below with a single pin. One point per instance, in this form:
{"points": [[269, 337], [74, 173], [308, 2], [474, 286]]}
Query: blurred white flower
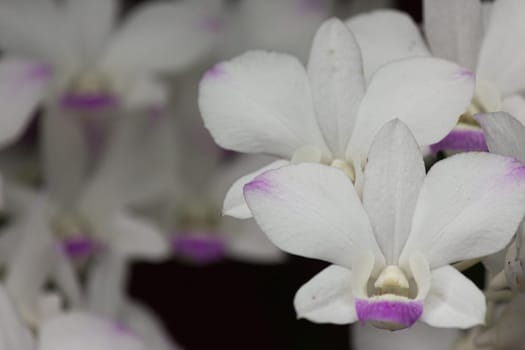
{"points": [[391, 252], [265, 102]]}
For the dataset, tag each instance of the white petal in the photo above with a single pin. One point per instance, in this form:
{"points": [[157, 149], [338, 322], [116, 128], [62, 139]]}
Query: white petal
{"points": [[137, 238], [469, 206], [91, 23], [385, 36], [106, 283], [35, 29], [504, 134], [419, 336], [515, 106], [454, 30], [427, 94], [502, 58], [246, 242], [454, 301], [65, 153], [13, 333], [260, 102], [336, 77], [147, 92], [312, 210], [22, 87], [234, 202], [82, 331], [145, 324], [327, 298], [162, 36], [393, 176]]}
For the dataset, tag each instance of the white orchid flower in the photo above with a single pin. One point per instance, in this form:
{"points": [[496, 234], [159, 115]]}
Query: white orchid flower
{"points": [[73, 54], [98, 228], [392, 251], [265, 102], [459, 31]]}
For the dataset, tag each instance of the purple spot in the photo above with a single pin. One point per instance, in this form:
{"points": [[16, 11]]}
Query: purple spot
{"points": [[88, 102], [399, 314], [215, 72], [517, 169], [311, 6], [79, 247], [39, 71], [122, 328], [200, 247], [466, 140], [260, 184], [212, 24], [466, 73]]}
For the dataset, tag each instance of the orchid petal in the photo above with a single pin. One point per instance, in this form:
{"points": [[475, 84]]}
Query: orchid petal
{"points": [[158, 37], [515, 106], [260, 102], [469, 206], [427, 94], [23, 84], [13, 333], [454, 301], [312, 210], [385, 36], [327, 298], [336, 77], [91, 23], [501, 60], [463, 138], [505, 135], [83, 331], [454, 30], [419, 336], [393, 177], [234, 202]]}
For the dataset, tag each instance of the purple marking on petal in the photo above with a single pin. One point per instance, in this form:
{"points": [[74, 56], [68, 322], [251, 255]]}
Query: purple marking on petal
{"points": [[260, 183], [200, 247], [466, 73], [122, 328], [79, 247], [396, 312], [88, 102], [39, 71], [466, 140], [517, 169], [215, 72]]}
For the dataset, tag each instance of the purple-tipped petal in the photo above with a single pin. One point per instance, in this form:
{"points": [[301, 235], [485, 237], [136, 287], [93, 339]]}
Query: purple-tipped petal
{"points": [[466, 140], [79, 247], [88, 102], [391, 314], [201, 248]]}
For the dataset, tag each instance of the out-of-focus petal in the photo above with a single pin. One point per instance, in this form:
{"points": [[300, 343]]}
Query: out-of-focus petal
{"points": [[312, 210], [454, 301], [23, 84], [161, 36], [393, 176], [427, 94], [385, 36], [260, 102], [327, 298], [336, 76], [469, 206], [454, 30], [13, 333]]}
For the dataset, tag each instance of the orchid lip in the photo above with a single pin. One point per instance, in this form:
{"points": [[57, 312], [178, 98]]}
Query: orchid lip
{"points": [[89, 102], [200, 247], [393, 314], [79, 247]]}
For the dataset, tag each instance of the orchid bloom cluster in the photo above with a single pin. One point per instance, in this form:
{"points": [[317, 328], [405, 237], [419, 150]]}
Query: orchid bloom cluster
{"points": [[352, 129], [390, 150]]}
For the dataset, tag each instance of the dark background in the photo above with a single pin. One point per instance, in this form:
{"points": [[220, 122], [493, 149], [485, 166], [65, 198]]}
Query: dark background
{"points": [[236, 306]]}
